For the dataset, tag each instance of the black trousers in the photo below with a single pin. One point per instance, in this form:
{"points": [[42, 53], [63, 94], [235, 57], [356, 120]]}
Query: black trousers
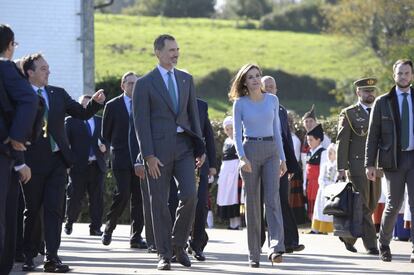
{"points": [[9, 195], [45, 190], [88, 180], [199, 237], [290, 227], [128, 189]]}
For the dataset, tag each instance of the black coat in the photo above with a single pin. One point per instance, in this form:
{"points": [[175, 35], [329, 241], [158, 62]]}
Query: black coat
{"points": [[208, 135], [80, 142], [60, 104]]}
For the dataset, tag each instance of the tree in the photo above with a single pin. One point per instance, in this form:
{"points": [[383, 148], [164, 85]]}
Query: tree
{"points": [[253, 9], [385, 25], [174, 8]]}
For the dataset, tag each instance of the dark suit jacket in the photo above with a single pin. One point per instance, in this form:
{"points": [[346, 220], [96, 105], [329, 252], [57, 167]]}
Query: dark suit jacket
{"points": [[80, 142], [155, 118], [18, 107], [291, 162], [208, 135], [60, 104], [115, 130], [384, 131]]}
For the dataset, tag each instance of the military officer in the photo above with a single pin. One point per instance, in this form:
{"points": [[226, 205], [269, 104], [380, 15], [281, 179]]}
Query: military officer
{"points": [[352, 135]]}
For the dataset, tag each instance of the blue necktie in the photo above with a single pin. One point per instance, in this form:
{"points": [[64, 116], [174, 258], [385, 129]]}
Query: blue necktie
{"points": [[171, 90], [405, 123], [88, 126]]}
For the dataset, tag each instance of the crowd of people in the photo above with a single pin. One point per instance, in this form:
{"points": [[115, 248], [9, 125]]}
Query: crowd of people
{"points": [[161, 149]]}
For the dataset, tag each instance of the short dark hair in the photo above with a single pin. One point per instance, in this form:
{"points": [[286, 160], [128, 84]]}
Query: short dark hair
{"points": [[402, 62], [28, 62], [159, 42], [6, 36]]}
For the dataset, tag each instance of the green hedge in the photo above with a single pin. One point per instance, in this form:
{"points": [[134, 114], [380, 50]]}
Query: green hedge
{"points": [[306, 17]]}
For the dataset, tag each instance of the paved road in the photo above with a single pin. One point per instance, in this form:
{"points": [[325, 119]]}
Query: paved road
{"points": [[226, 254]]}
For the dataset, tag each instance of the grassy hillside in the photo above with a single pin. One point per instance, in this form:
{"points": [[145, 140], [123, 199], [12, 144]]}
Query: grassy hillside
{"points": [[124, 43]]}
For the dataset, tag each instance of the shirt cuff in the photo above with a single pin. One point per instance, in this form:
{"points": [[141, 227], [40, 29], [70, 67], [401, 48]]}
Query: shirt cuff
{"points": [[19, 167]]}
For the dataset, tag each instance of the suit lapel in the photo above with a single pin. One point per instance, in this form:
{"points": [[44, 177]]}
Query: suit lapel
{"points": [[181, 89], [159, 85], [51, 100]]}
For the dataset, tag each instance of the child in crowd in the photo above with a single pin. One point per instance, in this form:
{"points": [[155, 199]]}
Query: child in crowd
{"points": [[315, 157], [228, 199], [324, 223]]}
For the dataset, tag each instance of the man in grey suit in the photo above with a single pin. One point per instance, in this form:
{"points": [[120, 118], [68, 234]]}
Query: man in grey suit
{"points": [[169, 135], [391, 142]]}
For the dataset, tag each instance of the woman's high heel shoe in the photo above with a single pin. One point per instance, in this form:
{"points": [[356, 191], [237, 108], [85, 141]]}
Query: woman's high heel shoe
{"points": [[275, 257]]}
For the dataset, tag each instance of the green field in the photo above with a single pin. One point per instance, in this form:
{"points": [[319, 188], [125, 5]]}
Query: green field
{"points": [[124, 43]]}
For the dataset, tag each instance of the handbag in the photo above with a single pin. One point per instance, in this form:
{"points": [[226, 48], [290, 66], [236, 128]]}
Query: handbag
{"points": [[350, 226], [339, 199]]}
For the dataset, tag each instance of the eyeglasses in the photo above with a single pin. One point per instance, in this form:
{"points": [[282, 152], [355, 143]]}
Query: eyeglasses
{"points": [[15, 44]]}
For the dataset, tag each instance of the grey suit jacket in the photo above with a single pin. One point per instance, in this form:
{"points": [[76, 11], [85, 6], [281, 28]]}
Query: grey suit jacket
{"points": [[155, 119]]}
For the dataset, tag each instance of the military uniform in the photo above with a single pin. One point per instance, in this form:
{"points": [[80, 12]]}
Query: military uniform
{"points": [[352, 135]]}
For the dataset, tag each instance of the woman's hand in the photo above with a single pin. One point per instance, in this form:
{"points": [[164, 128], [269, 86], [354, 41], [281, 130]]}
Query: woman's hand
{"points": [[245, 165], [283, 168]]}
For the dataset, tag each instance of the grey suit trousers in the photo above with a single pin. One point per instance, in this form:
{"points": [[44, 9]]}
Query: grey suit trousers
{"points": [[396, 181], [183, 171], [149, 229], [265, 162]]}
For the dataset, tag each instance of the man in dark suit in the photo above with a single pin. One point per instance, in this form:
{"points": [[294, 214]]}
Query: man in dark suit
{"points": [[18, 107], [390, 143], [199, 237], [115, 131], [169, 135], [289, 223], [49, 157], [87, 174], [352, 136]]}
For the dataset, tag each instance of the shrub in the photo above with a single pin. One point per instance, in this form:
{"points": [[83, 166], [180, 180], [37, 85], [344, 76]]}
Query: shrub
{"points": [[299, 18]]}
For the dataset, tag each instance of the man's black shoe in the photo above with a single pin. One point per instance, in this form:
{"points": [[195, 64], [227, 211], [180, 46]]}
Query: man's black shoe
{"points": [[182, 257], [373, 251], [199, 256], [164, 264], [152, 249], [68, 228], [28, 265], [349, 246], [385, 253], [106, 238], [141, 244], [19, 258], [95, 232], [294, 248], [55, 266]]}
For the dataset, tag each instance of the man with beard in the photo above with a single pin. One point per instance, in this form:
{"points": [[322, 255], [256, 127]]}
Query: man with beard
{"points": [[391, 142], [352, 136]]}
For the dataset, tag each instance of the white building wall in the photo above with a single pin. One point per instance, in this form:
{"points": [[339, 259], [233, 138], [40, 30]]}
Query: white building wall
{"points": [[52, 27]]}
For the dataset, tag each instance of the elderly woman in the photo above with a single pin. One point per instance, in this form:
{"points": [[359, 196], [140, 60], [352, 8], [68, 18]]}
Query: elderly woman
{"points": [[256, 115]]}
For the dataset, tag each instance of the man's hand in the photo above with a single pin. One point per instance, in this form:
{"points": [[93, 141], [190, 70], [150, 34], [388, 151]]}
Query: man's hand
{"points": [[341, 175], [102, 148], [139, 171], [212, 172], [371, 173], [200, 160], [153, 169], [245, 165], [25, 174], [99, 96], [283, 168], [18, 146]]}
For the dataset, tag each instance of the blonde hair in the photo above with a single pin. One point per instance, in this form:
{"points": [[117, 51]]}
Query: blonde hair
{"points": [[238, 88]]}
